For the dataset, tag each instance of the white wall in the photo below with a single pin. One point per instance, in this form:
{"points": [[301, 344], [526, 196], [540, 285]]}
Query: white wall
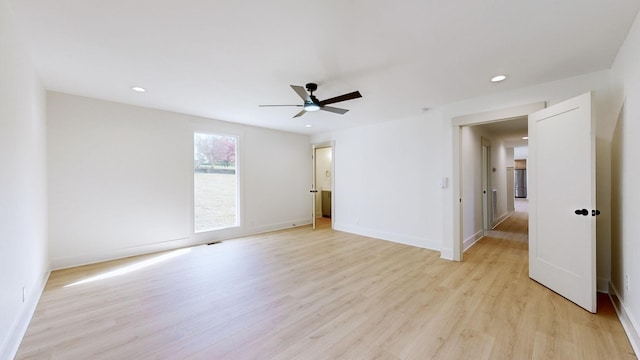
{"points": [[471, 170], [509, 182], [625, 169], [521, 152], [276, 176], [499, 177], [120, 179], [23, 198], [387, 180]]}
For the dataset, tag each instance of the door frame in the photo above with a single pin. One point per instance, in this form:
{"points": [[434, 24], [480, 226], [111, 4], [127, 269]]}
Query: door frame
{"points": [[456, 183], [510, 189], [320, 145], [487, 196]]}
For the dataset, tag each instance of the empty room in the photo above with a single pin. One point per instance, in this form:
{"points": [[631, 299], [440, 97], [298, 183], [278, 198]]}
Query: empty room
{"points": [[287, 180]]}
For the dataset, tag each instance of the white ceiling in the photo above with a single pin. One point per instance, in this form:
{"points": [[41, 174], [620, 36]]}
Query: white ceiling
{"points": [[509, 131], [221, 59]]}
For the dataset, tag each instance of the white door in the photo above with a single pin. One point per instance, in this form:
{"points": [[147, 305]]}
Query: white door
{"points": [[562, 226]]}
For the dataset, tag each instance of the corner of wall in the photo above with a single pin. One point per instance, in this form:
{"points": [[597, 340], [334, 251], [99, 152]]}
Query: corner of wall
{"points": [[446, 254], [9, 349], [628, 324]]}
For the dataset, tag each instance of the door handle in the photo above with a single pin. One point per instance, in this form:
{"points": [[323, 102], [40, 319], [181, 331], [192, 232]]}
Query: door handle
{"points": [[313, 191], [583, 212], [595, 212]]}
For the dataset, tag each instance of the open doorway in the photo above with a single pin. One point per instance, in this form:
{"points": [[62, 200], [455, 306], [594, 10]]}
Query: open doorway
{"points": [[487, 175], [322, 186], [469, 130], [552, 190]]}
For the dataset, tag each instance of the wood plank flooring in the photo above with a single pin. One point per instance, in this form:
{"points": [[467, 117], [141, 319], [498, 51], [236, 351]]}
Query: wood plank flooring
{"points": [[324, 294]]}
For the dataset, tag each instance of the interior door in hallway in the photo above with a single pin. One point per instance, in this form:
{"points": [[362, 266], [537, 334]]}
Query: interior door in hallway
{"points": [[562, 203]]}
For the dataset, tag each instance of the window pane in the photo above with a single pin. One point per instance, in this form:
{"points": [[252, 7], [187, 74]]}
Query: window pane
{"points": [[215, 181]]}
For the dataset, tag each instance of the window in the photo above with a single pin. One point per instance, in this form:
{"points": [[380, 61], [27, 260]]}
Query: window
{"points": [[215, 181]]}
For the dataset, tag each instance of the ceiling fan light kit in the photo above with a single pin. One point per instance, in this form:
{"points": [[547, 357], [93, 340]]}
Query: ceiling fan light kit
{"points": [[311, 106], [311, 103]]}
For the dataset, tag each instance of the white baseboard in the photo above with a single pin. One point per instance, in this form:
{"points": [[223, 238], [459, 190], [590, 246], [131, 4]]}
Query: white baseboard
{"points": [[10, 347], [502, 218], [626, 319], [389, 236], [196, 239], [279, 226], [58, 263], [446, 254], [472, 240]]}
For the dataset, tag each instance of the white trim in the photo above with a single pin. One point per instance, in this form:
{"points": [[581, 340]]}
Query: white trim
{"points": [[498, 115], [447, 254], [389, 236], [454, 252], [279, 226], [472, 240], [502, 218], [9, 348], [628, 324], [198, 239], [113, 254], [328, 144], [333, 183]]}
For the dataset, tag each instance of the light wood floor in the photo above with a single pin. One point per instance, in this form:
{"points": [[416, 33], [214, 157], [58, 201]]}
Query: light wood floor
{"points": [[299, 294]]}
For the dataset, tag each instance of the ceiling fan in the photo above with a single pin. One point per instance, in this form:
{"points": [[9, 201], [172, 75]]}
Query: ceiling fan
{"points": [[311, 103]]}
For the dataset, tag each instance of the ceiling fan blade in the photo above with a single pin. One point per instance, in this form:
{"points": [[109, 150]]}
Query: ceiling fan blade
{"points": [[278, 105], [345, 97], [300, 91], [300, 113], [334, 109]]}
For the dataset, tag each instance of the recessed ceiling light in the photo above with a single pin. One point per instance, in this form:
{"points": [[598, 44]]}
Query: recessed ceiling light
{"points": [[525, 138], [308, 125], [139, 89], [498, 78]]}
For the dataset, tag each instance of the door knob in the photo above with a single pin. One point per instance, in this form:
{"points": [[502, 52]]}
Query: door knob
{"points": [[583, 212]]}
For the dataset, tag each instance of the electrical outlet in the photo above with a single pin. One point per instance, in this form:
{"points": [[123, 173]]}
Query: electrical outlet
{"points": [[626, 282], [24, 294]]}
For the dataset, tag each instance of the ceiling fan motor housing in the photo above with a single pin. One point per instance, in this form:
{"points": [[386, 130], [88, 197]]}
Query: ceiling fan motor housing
{"points": [[312, 103], [311, 87]]}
